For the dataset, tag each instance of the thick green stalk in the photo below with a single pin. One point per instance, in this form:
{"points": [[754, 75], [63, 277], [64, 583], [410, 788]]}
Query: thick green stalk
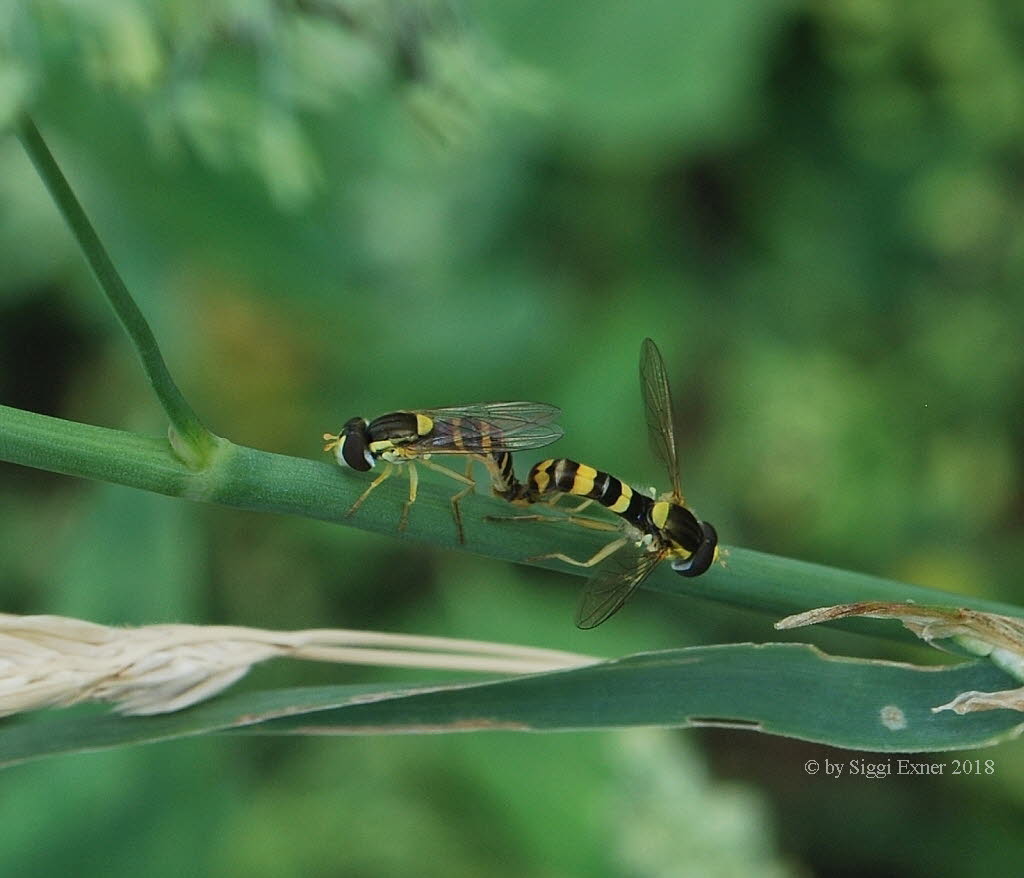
{"points": [[246, 478], [189, 437]]}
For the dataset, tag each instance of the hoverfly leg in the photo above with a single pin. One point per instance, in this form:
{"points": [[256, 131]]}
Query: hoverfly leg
{"points": [[466, 479], [436, 467], [581, 507], [388, 470], [554, 499], [596, 558], [590, 523], [414, 481], [456, 499]]}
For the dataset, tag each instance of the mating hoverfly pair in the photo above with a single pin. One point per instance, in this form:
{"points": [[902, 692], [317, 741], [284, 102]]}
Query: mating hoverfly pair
{"points": [[651, 529]]}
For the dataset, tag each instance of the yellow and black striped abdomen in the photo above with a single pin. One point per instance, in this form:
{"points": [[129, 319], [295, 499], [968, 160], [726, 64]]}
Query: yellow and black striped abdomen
{"points": [[569, 477]]}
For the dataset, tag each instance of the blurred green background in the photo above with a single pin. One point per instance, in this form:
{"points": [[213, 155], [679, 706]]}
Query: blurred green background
{"points": [[328, 209]]}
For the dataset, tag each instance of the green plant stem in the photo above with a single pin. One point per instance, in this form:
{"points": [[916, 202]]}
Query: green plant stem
{"points": [[246, 478], [189, 437]]}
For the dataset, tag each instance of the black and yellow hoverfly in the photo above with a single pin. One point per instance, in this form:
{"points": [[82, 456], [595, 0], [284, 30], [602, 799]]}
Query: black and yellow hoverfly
{"points": [[652, 528], [487, 431]]}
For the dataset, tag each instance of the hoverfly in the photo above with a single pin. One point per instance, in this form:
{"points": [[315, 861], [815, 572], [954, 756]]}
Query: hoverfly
{"points": [[487, 432], [652, 528]]}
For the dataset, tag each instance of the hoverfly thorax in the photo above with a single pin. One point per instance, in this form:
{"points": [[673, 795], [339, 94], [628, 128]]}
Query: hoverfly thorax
{"points": [[397, 428], [676, 525]]}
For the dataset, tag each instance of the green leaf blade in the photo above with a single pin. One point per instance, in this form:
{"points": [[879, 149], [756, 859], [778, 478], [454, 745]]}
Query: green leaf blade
{"points": [[793, 690]]}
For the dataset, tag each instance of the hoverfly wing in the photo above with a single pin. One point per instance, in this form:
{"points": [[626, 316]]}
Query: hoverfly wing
{"points": [[511, 414], [658, 410], [490, 428], [606, 592]]}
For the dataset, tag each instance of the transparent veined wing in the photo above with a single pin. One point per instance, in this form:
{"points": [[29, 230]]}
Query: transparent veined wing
{"points": [[490, 428], [658, 410], [610, 588]]}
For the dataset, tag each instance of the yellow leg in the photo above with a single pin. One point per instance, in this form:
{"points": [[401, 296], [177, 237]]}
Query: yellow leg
{"points": [[552, 499], [414, 481], [456, 499], [582, 506], [596, 558], [389, 468], [436, 467], [466, 479], [590, 523], [492, 469]]}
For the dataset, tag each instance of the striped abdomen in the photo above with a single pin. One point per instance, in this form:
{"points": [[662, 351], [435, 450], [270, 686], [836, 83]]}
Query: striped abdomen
{"points": [[569, 477]]}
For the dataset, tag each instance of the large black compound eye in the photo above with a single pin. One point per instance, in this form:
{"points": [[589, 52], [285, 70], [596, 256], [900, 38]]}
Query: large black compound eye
{"points": [[353, 446], [704, 557]]}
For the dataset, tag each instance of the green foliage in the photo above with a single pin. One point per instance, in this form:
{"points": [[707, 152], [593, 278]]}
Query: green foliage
{"points": [[239, 84]]}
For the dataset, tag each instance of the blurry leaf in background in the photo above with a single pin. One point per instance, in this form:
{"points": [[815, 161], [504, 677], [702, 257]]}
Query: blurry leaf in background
{"points": [[134, 557], [25, 220], [637, 82], [239, 83], [669, 818], [244, 335], [909, 67]]}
